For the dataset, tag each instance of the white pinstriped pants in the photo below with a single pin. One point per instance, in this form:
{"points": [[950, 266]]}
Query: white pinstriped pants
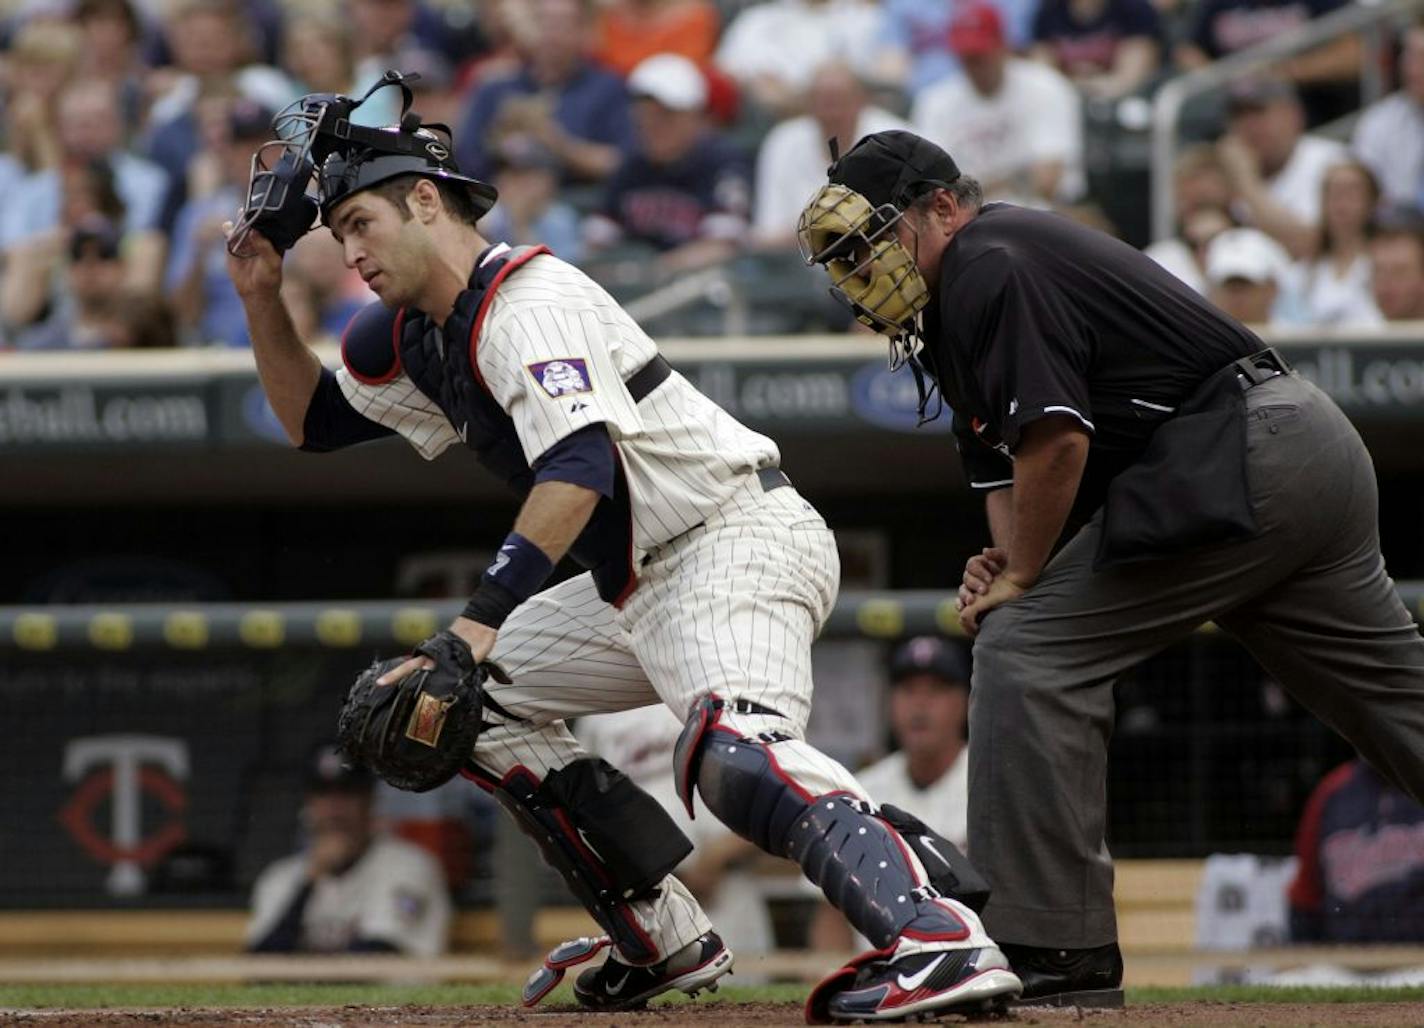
{"points": [[731, 607]]}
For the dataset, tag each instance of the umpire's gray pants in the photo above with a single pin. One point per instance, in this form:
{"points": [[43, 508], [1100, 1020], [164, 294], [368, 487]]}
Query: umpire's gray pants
{"points": [[1308, 596]]}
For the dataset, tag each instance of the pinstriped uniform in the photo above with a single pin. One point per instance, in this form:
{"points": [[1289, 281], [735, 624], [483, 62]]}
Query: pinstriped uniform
{"points": [[734, 582]]}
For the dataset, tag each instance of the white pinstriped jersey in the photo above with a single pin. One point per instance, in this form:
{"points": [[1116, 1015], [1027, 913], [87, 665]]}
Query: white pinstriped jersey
{"points": [[555, 350]]}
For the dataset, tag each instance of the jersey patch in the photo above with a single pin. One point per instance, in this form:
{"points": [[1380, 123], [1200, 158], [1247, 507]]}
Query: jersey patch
{"points": [[562, 376]]}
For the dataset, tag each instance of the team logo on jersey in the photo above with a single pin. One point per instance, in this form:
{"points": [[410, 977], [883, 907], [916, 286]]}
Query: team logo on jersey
{"points": [[563, 376]]}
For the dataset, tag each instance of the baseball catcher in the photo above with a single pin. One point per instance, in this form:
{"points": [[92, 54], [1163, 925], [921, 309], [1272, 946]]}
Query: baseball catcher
{"points": [[707, 577]]}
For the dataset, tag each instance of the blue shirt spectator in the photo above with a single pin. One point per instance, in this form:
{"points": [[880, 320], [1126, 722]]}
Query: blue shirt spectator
{"points": [[1107, 47], [684, 186], [90, 127], [558, 97], [920, 30]]}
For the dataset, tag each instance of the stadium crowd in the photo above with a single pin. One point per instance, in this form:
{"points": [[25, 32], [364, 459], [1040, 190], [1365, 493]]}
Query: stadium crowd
{"points": [[648, 139]]}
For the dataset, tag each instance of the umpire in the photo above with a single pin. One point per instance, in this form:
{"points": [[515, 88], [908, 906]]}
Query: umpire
{"points": [[1188, 472]]}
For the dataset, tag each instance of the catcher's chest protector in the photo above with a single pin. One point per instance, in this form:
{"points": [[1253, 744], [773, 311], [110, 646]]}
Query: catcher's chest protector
{"points": [[440, 362]]}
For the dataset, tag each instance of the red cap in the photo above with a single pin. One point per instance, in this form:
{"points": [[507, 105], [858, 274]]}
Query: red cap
{"points": [[976, 29]]}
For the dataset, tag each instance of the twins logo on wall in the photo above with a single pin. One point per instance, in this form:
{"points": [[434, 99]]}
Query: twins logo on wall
{"points": [[122, 770]]}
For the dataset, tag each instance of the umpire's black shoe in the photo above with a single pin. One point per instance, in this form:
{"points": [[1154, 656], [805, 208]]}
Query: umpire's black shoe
{"points": [[619, 986], [1067, 977]]}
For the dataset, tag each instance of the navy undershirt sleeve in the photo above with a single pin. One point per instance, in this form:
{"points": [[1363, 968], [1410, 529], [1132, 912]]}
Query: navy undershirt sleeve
{"points": [[332, 422], [582, 458]]}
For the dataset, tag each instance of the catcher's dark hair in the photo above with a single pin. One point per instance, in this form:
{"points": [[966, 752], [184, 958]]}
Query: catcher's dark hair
{"points": [[455, 197]]}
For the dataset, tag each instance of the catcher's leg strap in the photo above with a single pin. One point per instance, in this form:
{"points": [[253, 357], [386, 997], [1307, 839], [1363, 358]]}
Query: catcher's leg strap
{"points": [[610, 840], [861, 863]]}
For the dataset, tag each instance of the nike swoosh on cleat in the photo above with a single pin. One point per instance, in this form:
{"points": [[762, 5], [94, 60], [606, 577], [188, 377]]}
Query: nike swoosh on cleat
{"points": [[614, 990], [914, 981]]}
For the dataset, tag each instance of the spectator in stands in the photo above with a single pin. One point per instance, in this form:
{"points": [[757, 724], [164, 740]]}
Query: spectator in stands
{"points": [[772, 49], [113, 35], [630, 31], [1328, 77], [684, 189], [1360, 870], [331, 291], [213, 47], [318, 52], [1108, 48], [1247, 274], [913, 47], [529, 210], [91, 283], [558, 96], [137, 321], [1014, 124], [34, 286], [197, 281], [1276, 169], [1201, 194], [350, 889], [90, 129], [928, 773], [43, 57], [1334, 288], [1397, 260], [793, 157], [1389, 136]]}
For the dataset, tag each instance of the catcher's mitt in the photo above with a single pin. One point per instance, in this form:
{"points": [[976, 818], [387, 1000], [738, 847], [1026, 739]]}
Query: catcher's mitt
{"points": [[417, 733]]}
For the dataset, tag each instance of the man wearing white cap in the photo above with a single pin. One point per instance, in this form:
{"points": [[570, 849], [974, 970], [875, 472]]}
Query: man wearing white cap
{"points": [[683, 189], [1246, 271]]}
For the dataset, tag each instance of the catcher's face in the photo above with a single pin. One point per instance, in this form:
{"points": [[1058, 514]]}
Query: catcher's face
{"points": [[865, 251], [386, 246]]}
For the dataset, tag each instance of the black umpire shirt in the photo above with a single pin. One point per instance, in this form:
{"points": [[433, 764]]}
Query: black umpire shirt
{"points": [[1037, 315]]}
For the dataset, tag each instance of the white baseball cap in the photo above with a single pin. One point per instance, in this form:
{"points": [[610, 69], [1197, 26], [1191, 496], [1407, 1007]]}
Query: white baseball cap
{"points": [[1245, 253], [670, 79]]}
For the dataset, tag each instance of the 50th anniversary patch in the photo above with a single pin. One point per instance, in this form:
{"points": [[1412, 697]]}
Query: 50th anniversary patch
{"points": [[562, 377]]}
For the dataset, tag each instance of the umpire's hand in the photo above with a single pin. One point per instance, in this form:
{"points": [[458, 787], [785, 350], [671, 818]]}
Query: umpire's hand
{"points": [[984, 587]]}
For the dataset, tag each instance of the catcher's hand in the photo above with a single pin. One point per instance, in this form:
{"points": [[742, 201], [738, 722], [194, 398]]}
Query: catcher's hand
{"points": [[418, 732]]}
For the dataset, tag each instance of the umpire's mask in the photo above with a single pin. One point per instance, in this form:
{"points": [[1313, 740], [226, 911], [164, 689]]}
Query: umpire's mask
{"points": [[849, 225], [870, 269]]}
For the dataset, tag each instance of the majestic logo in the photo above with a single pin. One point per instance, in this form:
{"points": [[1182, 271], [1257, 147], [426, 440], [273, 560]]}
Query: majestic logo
{"points": [[123, 769], [438, 150], [562, 377]]}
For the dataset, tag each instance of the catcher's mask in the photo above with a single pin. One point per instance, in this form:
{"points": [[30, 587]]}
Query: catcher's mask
{"points": [[315, 137]]}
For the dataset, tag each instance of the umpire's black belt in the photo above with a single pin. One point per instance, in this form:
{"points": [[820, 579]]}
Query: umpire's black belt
{"points": [[1260, 367], [648, 377]]}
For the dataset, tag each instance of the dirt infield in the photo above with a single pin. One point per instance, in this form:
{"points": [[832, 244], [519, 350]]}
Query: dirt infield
{"points": [[723, 1015]]}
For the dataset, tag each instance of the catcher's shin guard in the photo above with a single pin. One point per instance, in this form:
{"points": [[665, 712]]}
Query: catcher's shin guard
{"points": [[610, 840], [860, 862]]}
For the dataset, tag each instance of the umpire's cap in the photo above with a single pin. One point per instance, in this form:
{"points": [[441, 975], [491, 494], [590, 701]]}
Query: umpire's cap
{"points": [[894, 167], [931, 655]]}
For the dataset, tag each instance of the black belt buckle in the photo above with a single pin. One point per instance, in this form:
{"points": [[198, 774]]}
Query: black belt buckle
{"points": [[1261, 366], [772, 478]]}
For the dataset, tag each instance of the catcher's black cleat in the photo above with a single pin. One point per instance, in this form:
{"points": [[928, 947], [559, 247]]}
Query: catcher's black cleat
{"points": [[926, 984], [619, 986], [1068, 977]]}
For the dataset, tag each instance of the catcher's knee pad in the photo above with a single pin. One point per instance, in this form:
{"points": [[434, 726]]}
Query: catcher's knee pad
{"points": [[859, 860], [610, 840]]}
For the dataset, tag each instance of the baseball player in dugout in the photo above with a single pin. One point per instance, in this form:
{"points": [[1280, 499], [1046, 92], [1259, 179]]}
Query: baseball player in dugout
{"points": [[1148, 465], [707, 579]]}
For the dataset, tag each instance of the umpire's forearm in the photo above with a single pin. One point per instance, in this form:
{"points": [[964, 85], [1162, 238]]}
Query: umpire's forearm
{"points": [[999, 508], [288, 370], [1048, 467]]}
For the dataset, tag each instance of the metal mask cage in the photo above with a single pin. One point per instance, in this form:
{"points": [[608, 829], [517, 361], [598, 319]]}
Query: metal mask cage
{"points": [[871, 230]]}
